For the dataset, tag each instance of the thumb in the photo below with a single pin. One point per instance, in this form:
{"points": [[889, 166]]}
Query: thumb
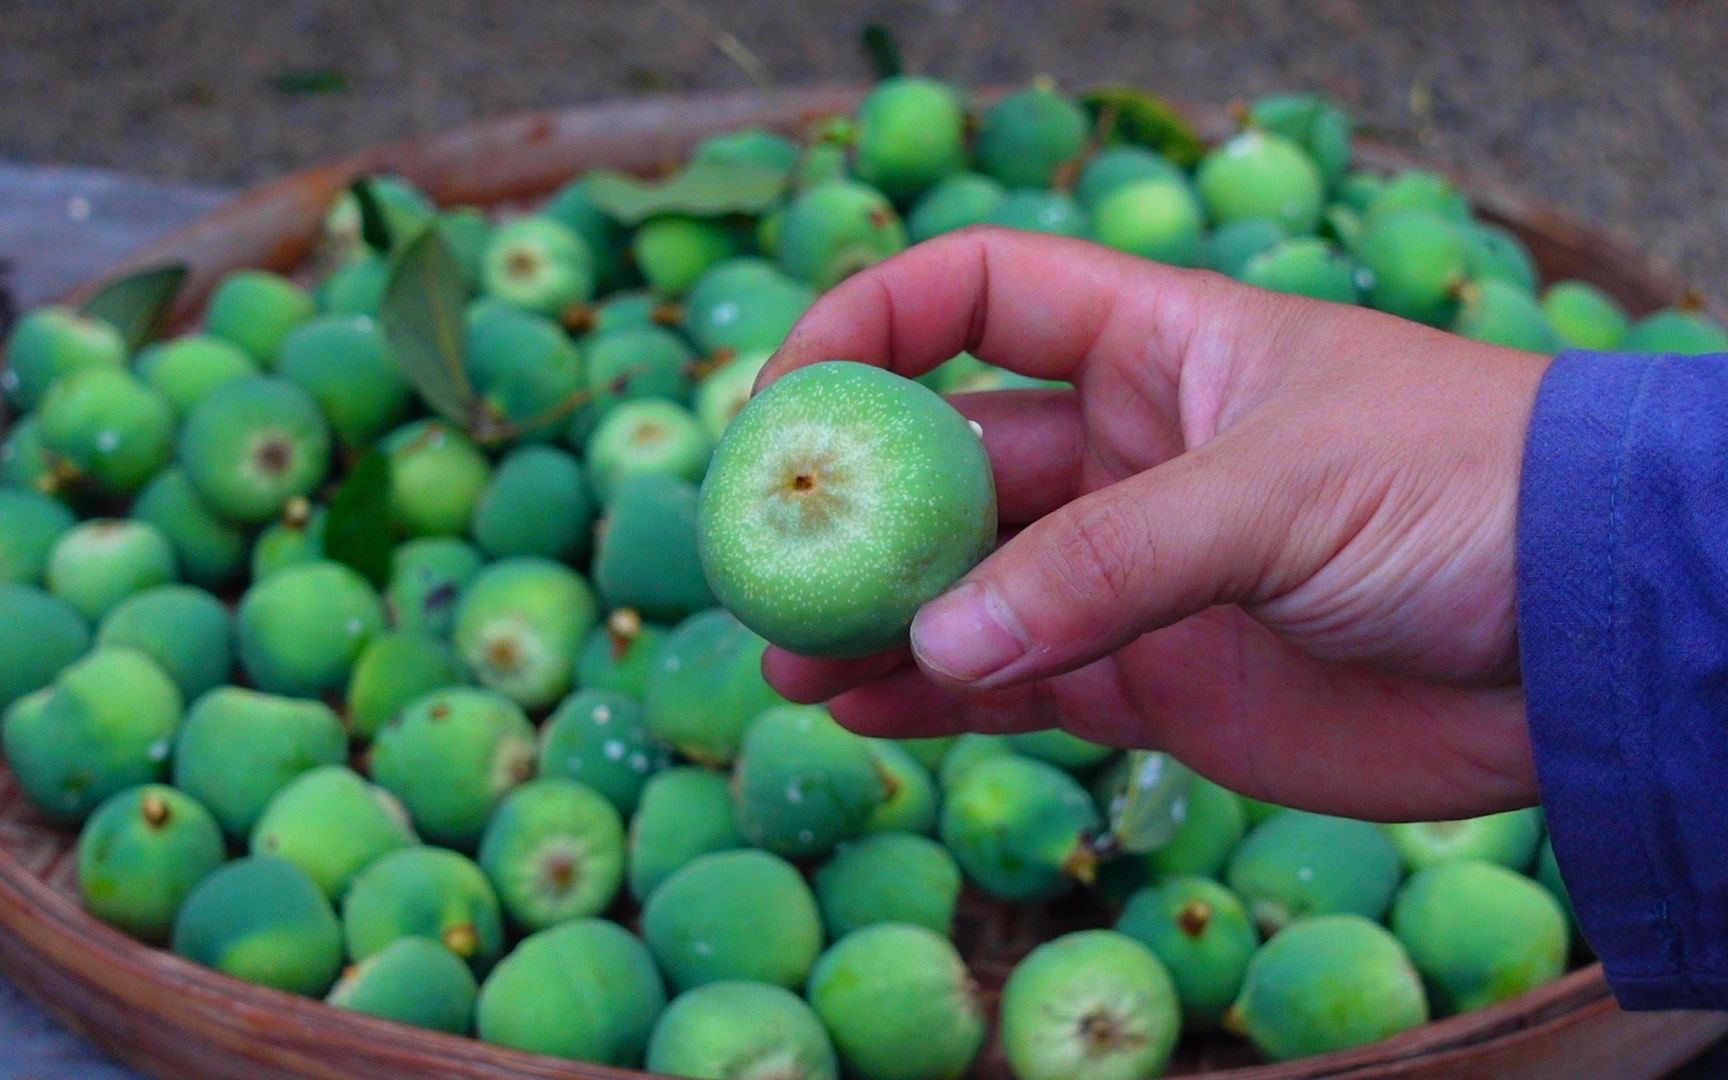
{"points": [[1203, 528]]}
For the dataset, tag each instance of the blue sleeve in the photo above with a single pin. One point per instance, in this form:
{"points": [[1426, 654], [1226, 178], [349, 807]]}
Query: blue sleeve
{"points": [[1623, 631]]}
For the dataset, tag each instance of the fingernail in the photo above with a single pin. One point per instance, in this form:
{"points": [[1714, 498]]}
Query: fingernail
{"points": [[964, 635]]}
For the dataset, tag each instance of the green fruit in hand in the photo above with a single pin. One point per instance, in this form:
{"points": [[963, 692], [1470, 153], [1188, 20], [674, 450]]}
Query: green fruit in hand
{"points": [[841, 500], [647, 557], [1053, 212], [295, 539], [437, 475], [256, 310], [1678, 332], [1492, 253], [253, 444], [911, 134], [741, 1031], [803, 783], [554, 851], [835, 229], [1027, 136], [1305, 266], [537, 264], [96, 564], [646, 436], [186, 369], [1059, 748], [673, 251], [39, 635], [186, 631], [1259, 174], [1118, 166], [394, 670], [537, 503], [1508, 839], [450, 757], [724, 393], [262, 920], [1418, 189], [733, 915], [237, 748], [1203, 934], [1327, 983], [911, 802], [519, 626], [523, 368], [963, 199], [1231, 245], [427, 577], [342, 361], [684, 812], [210, 552], [706, 687], [1156, 219], [424, 892], [899, 1003], [1213, 822], [1501, 313], [1313, 123], [586, 990], [112, 429], [140, 855], [888, 878], [1479, 933], [618, 655], [332, 824], [52, 342], [30, 524], [1094, 1003], [599, 738], [1583, 316], [301, 629], [1297, 864], [411, 981], [1019, 828], [1415, 259]]}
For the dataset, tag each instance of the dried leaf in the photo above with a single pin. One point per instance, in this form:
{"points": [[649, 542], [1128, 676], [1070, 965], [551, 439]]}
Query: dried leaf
{"points": [[138, 304], [422, 319], [357, 526], [702, 189], [1134, 116]]}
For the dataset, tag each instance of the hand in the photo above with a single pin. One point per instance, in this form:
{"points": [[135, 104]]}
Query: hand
{"points": [[1270, 535]]}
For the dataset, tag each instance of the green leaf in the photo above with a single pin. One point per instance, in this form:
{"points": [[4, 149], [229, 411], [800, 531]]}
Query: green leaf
{"points": [[422, 319], [357, 526], [882, 51], [374, 226], [138, 304], [1126, 114], [1147, 813], [703, 189]]}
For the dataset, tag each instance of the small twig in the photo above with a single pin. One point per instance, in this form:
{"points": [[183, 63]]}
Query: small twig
{"points": [[724, 40]]}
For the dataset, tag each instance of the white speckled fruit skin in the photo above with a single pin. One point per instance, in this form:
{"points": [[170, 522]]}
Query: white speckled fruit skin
{"points": [[901, 503]]}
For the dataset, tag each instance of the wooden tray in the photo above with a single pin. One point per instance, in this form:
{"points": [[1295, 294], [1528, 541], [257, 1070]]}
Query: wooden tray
{"points": [[172, 1018]]}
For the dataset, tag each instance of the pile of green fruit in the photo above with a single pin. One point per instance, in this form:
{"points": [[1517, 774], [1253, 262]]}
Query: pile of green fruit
{"points": [[363, 630]]}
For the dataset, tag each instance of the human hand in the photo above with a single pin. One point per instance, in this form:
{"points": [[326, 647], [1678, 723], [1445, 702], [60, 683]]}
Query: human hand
{"points": [[1272, 536]]}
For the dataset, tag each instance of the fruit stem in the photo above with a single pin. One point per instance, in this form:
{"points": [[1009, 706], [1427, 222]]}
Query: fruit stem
{"points": [[462, 939], [155, 810], [1194, 917]]}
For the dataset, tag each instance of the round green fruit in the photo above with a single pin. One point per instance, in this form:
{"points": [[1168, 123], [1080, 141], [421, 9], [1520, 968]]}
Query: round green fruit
{"points": [[141, 853], [427, 576], [301, 629], [1492, 253], [1297, 864], [437, 475], [724, 393], [647, 557], [741, 1031], [1418, 189], [1019, 828], [1094, 1003], [394, 670], [1583, 316], [523, 368], [343, 362], [1059, 748], [1025, 138], [912, 798], [537, 264], [1508, 839], [294, 539], [186, 631], [256, 310], [554, 850], [888, 878], [537, 503], [1676, 332], [39, 635], [1313, 123], [411, 981], [50, 343], [803, 783], [835, 229], [1203, 934], [252, 444], [424, 892], [1259, 174], [109, 427], [706, 687], [685, 812], [519, 626], [1228, 249], [961, 200], [97, 564], [332, 824], [1213, 823], [209, 551], [1157, 219], [451, 756], [1501, 313], [1118, 166], [1305, 266], [618, 655], [237, 748], [599, 738], [733, 915], [1415, 262], [646, 435], [262, 920], [911, 134], [30, 524], [673, 250], [1053, 212]]}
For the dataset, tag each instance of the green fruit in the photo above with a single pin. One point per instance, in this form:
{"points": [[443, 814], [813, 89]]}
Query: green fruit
{"points": [[1416, 262], [392, 671], [646, 436], [186, 631], [252, 445], [1305, 266], [1213, 822], [404, 208], [724, 393], [733, 915], [427, 577], [30, 524], [835, 229], [450, 756], [1157, 219], [911, 802], [1259, 174], [899, 1003], [537, 503], [301, 629], [911, 134], [342, 361], [1418, 189], [1257, 810], [295, 539], [599, 738], [752, 319], [1052, 212], [1327, 983], [424, 892], [721, 284], [673, 251], [537, 264], [1118, 166], [841, 500], [1548, 875], [522, 367], [618, 656], [1681, 333], [1508, 839], [634, 362], [1479, 933], [52, 342], [930, 751], [25, 463], [411, 981], [96, 564], [888, 878], [706, 687], [356, 287], [1298, 864], [1495, 254], [519, 626], [1019, 827], [632, 310], [962, 199], [1059, 748], [968, 750], [39, 635], [256, 310], [585, 990], [140, 854], [1313, 123], [684, 813], [437, 475], [209, 551], [262, 920], [237, 748], [647, 556], [1358, 190], [1583, 316], [803, 783], [606, 239], [1501, 313], [741, 1031], [1094, 1003], [332, 824], [1203, 934], [1230, 247], [554, 851], [748, 146], [108, 426], [1027, 136], [186, 369]]}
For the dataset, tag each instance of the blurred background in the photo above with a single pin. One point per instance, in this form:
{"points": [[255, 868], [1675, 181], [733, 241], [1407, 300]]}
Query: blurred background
{"points": [[1616, 112]]}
